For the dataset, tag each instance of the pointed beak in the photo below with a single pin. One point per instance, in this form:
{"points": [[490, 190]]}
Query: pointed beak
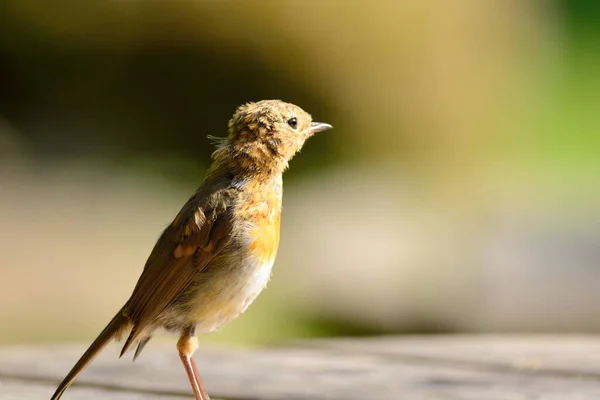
{"points": [[319, 127]]}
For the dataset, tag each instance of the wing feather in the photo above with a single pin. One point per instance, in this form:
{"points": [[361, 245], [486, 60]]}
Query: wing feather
{"points": [[185, 248]]}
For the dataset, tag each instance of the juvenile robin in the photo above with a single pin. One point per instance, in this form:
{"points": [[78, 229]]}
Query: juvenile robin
{"points": [[216, 256]]}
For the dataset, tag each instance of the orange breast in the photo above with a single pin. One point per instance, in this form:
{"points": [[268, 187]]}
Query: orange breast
{"points": [[260, 206], [264, 236]]}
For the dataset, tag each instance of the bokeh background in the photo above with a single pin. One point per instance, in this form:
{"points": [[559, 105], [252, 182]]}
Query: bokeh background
{"points": [[458, 192]]}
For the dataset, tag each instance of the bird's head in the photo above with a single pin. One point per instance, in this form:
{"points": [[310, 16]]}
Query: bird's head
{"points": [[265, 135]]}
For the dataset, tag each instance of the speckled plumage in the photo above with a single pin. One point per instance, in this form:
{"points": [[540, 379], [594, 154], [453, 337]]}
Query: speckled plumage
{"points": [[216, 256]]}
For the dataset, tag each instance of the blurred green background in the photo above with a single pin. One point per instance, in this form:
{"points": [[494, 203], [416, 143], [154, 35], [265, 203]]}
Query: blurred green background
{"points": [[458, 192]]}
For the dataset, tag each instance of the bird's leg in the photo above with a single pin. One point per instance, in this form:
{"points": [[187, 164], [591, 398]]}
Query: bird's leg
{"points": [[187, 345]]}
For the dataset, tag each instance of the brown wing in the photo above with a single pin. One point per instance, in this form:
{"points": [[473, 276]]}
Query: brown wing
{"points": [[184, 249]]}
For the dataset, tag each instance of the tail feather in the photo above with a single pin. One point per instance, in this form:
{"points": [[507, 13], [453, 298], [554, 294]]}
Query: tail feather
{"points": [[131, 339], [113, 328]]}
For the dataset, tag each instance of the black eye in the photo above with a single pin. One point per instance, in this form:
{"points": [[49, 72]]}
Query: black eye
{"points": [[293, 122]]}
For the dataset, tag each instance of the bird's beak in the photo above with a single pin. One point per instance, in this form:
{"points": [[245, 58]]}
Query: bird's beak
{"points": [[319, 127]]}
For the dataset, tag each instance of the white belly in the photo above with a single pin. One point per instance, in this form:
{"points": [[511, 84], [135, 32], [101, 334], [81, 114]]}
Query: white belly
{"points": [[219, 305]]}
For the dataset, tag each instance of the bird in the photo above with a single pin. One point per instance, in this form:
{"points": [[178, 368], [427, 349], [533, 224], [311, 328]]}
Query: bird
{"points": [[216, 256]]}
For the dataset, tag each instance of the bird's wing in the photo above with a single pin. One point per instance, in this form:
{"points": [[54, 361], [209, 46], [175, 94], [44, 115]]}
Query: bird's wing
{"points": [[185, 248]]}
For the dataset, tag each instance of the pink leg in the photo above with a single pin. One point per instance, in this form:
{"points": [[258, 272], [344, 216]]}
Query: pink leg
{"points": [[186, 346]]}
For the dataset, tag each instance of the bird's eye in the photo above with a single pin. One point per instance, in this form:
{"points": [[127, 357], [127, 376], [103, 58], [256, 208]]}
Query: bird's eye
{"points": [[293, 122]]}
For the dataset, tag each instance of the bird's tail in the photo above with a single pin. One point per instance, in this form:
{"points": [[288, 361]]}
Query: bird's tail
{"points": [[114, 328]]}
